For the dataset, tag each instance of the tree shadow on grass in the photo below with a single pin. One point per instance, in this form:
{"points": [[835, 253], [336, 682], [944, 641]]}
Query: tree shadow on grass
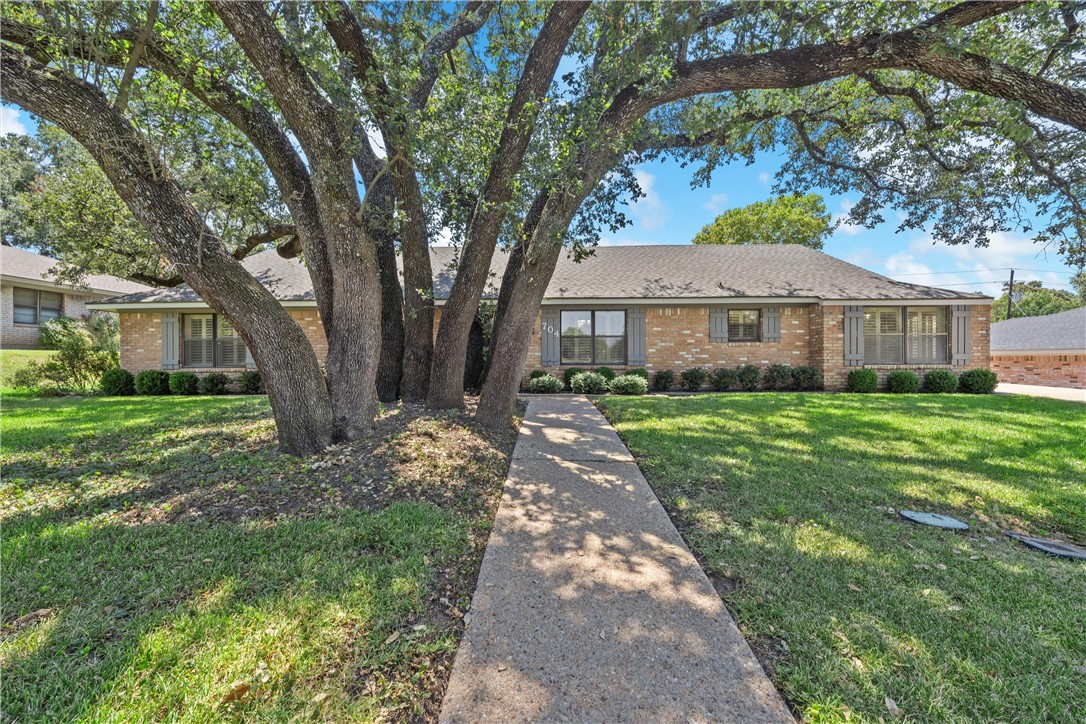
{"points": [[170, 618]]}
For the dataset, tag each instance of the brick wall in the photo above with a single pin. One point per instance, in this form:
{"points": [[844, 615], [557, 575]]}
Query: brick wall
{"points": [[141, 339], [1050, 370], [26, 335]]}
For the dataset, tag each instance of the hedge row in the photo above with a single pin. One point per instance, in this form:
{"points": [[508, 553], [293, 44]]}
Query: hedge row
{"points": [[120, 382], [977, 382], [590, 383], [743, 377]]}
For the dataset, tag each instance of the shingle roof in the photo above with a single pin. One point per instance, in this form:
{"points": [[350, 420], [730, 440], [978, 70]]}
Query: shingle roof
{"points": [[22, 264], [1064, 330], [639, 272]]}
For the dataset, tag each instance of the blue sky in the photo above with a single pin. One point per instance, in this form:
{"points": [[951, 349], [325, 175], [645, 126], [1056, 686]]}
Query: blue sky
{"points": [[672, 212]]}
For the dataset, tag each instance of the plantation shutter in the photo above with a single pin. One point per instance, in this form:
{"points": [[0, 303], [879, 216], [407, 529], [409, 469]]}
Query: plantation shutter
{"points": [[771, 324], [718, 324], [171, 337], [960, 317], [635, 336], [549, 334], [854, 336]]}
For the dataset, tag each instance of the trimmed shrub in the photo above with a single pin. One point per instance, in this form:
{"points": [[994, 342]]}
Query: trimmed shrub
{"points": [[214, 384], [569, 374], [663, 380], [629, 385], [606, 372], [693, 378], [723, 379], [184, 383], [535, 374], [776, 377], [806, 378], [978, 382], [863, 380], [545, 385], [940, 382], [117, 382], [588, 383], [640, 372], [903, 382], [249, 383], [748, 376], [153, 382]]}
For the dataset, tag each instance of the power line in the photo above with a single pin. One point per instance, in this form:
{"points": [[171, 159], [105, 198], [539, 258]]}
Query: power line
{"points": [[978, 271]]}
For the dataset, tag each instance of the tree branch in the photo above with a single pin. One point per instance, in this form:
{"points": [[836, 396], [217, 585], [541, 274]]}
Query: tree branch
{"points": [[134, 57], [469, 21]]}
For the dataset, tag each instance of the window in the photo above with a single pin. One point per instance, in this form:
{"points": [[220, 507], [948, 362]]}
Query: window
{"points": [[883, 341], [593, 338], [905, 335], [211, 341], [927, 340], [31, 306], [743, 325]]}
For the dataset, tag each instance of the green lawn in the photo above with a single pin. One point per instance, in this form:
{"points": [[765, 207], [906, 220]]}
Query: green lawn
{"points": [[189, 572], [13, 360], [787, 499]]}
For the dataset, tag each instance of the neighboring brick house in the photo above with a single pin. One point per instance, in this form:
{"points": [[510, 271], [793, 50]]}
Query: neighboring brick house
{"points": [[1048, 350], [658, 307], [31, 295]]}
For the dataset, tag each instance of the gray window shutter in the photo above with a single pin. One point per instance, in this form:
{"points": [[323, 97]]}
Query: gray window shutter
{"points": [[771, 324], [551, 353], [718, 324], [960, 317], [635, 336], [171, 338], [854, 336]]}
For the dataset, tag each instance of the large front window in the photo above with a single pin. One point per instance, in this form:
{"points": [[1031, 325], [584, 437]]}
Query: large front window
{"points": [[211, 341], [905, 335], [594, 338], [30, 306]]}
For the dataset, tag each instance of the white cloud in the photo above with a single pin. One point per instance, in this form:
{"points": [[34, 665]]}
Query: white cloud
{"points": [[764, 177], [650, 209], [842, 219], [444, 237], [11, 123], [717, 203]]}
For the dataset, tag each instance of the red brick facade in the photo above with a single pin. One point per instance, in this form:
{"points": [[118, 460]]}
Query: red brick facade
{"points": [[676, 338], [1050, 370]]}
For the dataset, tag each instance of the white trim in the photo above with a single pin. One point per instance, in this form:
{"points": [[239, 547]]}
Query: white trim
{"points": [[675, 301], [1038, 352], [169, 306], [47, 286], [909, 302]]}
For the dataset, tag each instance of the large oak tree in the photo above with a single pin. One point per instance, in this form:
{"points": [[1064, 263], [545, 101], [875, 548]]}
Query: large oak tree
{"points": [[909, 105]]}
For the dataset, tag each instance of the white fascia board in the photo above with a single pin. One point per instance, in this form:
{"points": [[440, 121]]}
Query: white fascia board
{"points": [[180, 306]]}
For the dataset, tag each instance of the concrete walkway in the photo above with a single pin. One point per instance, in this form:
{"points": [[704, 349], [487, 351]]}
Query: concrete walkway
{"points": [[589, 605], [1056, 393]]}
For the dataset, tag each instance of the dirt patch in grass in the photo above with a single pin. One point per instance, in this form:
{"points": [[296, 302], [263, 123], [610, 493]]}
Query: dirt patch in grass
{"points": [[176, 524]]}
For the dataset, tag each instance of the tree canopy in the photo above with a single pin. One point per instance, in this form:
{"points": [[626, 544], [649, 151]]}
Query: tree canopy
{"points": [[781, 220], [1034, 299], [966, 118]]}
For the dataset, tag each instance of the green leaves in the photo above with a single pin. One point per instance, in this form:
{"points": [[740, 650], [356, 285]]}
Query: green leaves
{"points": [[782, 220]]}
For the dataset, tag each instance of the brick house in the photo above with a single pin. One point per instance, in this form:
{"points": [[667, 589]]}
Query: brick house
{"points": [[658, 307], [30, 295], [1048, 350]]}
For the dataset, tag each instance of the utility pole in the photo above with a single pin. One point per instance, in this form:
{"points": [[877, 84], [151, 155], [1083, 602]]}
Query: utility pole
{"points": [[1010, 294]]}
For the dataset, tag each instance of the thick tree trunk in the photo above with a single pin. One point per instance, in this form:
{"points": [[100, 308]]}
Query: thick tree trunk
{"points": [[298, 396], [390, 366], [458, 314], [418, 281], [476, 357]]}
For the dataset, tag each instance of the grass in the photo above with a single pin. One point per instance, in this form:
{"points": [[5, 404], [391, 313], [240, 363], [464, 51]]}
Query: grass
{"points": [[790, 501], [13, 360], [183, 570]]}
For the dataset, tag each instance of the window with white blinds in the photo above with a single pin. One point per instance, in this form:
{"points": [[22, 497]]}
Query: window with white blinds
{"points": [[593, 337], [31, 306], [927, 335], [199, 336], [743, 325], [209, 340], [905, 335]]}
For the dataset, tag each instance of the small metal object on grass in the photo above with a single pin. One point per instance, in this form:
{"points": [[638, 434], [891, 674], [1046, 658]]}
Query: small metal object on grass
{"points": [[1051, 547], [933, 519]]}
